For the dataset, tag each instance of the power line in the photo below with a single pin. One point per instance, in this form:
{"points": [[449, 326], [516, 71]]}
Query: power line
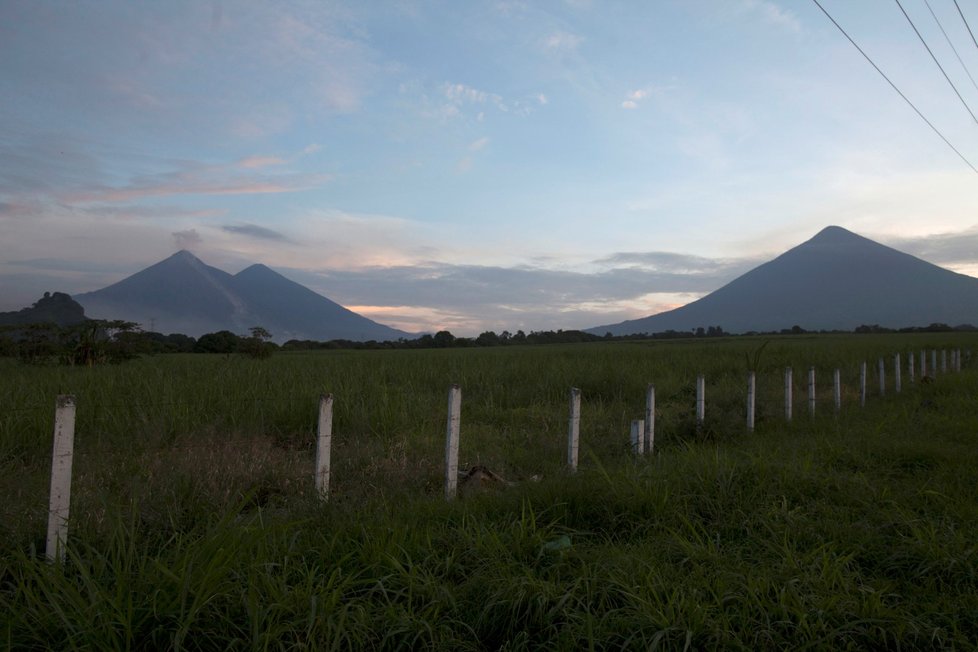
{"points": [[953, 49], [940, 67], [894, 87], [960, 13]]}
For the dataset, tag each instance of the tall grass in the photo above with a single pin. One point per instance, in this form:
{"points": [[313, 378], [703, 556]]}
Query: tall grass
{"points": [[194, 525]]}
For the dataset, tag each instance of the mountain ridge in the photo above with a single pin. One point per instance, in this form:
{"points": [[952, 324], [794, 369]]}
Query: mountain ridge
{"points": [[183, 294], [835, 280]]}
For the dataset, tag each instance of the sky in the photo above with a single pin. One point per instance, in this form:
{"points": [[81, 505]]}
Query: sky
{"points": [[480, 165]]}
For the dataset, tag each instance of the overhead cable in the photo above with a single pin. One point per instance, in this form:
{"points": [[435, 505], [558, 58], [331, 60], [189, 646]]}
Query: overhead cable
{"points": [[939, 66], [894, 87], [960, 13], [953, 49]]}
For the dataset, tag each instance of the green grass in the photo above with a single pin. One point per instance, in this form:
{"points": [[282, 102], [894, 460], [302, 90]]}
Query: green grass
{"points": [[194, 525]]}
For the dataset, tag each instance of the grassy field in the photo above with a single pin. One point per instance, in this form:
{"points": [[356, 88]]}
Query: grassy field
{"points": [[194, 524]]}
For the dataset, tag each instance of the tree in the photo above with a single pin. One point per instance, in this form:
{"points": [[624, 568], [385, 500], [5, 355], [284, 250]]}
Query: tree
{"points": [[444, 339], [257, 346], [96, 341], [219, 342], [488, 338], [38, 343]]}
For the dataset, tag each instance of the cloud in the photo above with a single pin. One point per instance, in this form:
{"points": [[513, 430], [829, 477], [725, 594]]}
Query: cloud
{"points": [[19, 209], [950, 248], [774, 14], [480, 289], [46, 163], [562, 41], [634, 98], [192, 178], [258, 162], [472, 298], [70, 265], [136, 211], [48, 169], [187, 239], [255, 231], [340, 239], [131, 93], [454, 100], [479, 144], [673, 263], [328, 48], [461, 94], [260, 120]]}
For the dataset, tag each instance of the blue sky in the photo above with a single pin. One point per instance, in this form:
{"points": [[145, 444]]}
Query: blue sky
{"points": [[476, 165]]}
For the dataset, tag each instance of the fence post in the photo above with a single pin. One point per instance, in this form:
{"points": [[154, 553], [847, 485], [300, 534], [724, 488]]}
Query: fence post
{"points": [[638, 436], [451, 441], [943, 361], [751, 388], [837, 389], [787, 393], [923, 363], [700, 401], [933, 363], [324, 442], [910, 369], [957, 360], [897, 381], [862, 385], [811, 391], [60, 497], [881, 372], [574, 428], [650, 419]]}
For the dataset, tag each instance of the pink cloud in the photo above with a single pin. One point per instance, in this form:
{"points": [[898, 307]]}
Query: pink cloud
{"points": [[185, 183], [257, 161]]}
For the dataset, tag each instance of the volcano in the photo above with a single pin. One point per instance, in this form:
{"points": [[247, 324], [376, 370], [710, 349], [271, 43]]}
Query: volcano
{"points": [[838, 280], [182, 294]]}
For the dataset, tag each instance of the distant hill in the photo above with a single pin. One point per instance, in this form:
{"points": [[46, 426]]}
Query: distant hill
{"points": [[184, 295], [57, 308], [836, 280]]}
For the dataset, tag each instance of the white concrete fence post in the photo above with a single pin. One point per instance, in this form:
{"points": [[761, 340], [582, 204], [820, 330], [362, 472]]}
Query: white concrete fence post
{"points": [[650, 419], [451, 441], [61, 459], [751, 399], [638, 436], [837, 389], [324, 443], [700, 401], [787, 393], [910, 369], [574, 428]]}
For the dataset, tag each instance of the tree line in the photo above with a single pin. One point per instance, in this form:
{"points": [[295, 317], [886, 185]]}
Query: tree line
{"points": [[96, 341]]}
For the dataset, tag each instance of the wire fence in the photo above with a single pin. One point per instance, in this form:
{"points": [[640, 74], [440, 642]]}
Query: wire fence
{"points": [[804, 395]]}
